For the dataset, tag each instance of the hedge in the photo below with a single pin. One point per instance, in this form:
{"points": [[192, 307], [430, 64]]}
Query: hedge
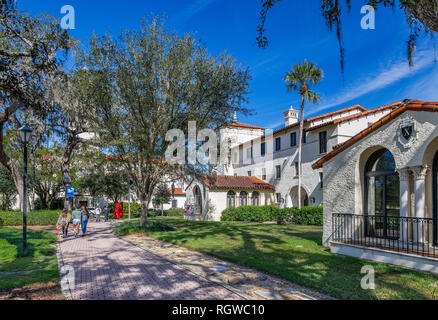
{"points": [[303, 216], [250, 214], [136, 211], [34, 218]]}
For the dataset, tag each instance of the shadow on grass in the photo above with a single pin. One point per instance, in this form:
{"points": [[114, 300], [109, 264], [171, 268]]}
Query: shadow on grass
{"points": [[36, 263], [295, 253]]}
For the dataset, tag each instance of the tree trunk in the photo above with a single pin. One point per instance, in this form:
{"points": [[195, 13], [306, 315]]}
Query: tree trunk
{"points": [[162, 213], [300, 145], [145, 200]]}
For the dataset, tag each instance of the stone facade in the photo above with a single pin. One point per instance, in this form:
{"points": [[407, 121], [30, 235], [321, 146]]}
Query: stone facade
{"points": [[344, 173]]}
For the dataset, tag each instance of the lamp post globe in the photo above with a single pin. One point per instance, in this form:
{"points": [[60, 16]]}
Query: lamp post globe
{"points": [[25, 134]]}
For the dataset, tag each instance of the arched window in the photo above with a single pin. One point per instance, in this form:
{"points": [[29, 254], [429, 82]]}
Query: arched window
{"points": [[255, 198], [382, 195], [243, 198], [198, 200], [231, 199]]}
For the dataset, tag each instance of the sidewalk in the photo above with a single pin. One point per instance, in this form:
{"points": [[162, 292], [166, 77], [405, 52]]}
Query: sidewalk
{"points": [[107, 267], [246, 282]]}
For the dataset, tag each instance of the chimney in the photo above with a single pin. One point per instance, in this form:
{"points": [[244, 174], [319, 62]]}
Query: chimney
{"points": [[290, 116], [235, 117]]}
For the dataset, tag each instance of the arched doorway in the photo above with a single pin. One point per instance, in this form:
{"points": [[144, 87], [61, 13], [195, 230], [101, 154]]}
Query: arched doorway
{"points": [[435, 198], [198, 200], [382, 196], [255, 198], [294, 197], [231, 199], [243, 198]]}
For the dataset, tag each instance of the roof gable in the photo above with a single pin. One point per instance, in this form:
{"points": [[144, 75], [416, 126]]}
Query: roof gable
{"points": [[406, 105]]}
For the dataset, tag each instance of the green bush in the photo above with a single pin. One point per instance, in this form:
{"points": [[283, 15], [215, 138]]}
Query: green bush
{"points": [[174, 213], [130, 227], [250, 214], [304, 216], [308, 216], [34, 218]]}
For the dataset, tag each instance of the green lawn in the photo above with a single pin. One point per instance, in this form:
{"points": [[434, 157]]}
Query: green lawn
{"points": [[37, 264], [277, 250]]}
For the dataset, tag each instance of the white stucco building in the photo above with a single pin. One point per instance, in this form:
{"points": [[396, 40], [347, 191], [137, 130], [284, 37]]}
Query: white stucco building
{"points": [[271, 157], [381, 189]]}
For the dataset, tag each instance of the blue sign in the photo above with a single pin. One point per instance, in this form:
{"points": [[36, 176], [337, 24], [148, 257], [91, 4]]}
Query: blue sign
{"points": [[70, 192]]}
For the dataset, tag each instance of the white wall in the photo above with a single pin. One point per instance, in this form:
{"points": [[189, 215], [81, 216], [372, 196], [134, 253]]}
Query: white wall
{"points": [[343, 192]]}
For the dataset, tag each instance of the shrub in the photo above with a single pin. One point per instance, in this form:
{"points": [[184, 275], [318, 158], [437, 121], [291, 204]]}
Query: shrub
{"points": [[174, 213], [304, 216], [134, 227], [34, 218], [308, 216], [250, 214]]}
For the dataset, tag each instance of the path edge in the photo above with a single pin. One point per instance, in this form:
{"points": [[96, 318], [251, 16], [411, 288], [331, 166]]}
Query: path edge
{"points": [[65, 284]]}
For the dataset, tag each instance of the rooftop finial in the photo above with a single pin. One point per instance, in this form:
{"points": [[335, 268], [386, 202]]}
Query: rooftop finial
{"points": [[235, 117]]}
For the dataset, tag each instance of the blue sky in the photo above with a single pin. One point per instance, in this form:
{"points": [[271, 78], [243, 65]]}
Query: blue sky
{"points": [[376, 69]]}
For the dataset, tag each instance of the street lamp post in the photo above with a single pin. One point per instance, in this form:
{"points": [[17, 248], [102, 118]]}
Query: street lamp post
{"points": [[25, 134]]}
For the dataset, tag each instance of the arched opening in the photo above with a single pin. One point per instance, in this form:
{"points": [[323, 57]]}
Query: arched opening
{"points": [[382, 196], [231, 199], [294, 197], [198, 200], [435, 197], [255, 198], [243, 198]]}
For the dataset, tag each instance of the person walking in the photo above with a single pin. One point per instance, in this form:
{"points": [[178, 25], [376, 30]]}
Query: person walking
{"points": [[97, 213], [77, 217], [106, 213], [63, 222], [84, 217]]}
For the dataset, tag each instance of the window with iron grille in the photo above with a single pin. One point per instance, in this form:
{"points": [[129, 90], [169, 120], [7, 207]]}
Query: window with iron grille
{"points": [[278, 172]]}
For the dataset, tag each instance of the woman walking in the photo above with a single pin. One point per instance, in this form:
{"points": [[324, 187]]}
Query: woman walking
{"points": [[63, 222], [84, 217], [77, 217]]}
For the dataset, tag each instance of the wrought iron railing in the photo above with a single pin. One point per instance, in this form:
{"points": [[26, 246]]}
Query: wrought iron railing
{"points": [[401, 234]]}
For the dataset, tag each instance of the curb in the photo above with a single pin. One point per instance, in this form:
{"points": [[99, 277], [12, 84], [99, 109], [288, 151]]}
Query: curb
{"points": [[65, 286]]}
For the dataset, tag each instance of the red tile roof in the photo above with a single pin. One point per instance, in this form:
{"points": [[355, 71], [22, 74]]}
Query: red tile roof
{"points": [[231, 182], [178, 192], [356, 116], [246, 126], [406, 105], [323, 116]]}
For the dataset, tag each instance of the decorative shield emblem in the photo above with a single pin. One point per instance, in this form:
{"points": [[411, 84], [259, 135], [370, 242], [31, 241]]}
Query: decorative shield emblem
{"points": [[407, 132]]}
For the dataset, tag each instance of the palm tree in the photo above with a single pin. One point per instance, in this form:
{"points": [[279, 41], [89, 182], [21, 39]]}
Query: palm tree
{"points": [[300, 78]]}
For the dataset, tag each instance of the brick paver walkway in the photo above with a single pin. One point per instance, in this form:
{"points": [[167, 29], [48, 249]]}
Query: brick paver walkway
{"points": [[107, 267]]}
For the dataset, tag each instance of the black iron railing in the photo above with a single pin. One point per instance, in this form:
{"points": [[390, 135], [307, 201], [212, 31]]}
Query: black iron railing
{"points": [[401, 234]]}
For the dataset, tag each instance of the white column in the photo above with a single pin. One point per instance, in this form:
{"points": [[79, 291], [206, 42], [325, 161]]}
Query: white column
{"points": [[420, 202], [404, 204]]}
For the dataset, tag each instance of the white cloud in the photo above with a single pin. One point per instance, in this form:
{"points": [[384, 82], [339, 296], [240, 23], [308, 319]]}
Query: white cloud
{"points": [[373, 82], [192, 9]]}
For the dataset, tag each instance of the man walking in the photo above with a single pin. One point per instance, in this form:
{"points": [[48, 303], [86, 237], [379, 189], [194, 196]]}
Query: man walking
{"points": [[106, 213]]}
